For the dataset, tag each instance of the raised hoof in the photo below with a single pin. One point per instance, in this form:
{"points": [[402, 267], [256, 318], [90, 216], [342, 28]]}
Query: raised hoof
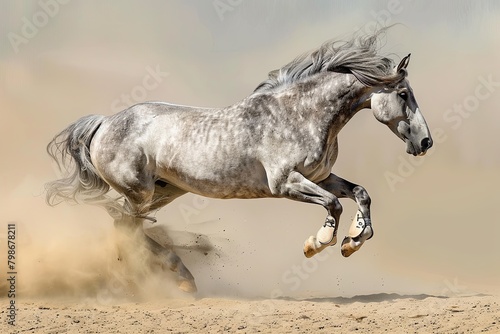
{"points": [[347, 249], [310, 247], [313, 246], [352, 244], [187, 286]]}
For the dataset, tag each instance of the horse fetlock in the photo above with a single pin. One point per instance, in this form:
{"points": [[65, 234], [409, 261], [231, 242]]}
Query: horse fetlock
{"points": [[326, 236], [359, 227], [361, 230]]}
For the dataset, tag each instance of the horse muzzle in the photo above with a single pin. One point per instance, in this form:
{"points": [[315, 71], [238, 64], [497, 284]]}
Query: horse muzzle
{"points": [[420, 147]]}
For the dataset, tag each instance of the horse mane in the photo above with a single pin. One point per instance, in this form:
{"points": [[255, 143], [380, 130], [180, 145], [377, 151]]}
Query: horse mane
{"points": [[358, 56]]}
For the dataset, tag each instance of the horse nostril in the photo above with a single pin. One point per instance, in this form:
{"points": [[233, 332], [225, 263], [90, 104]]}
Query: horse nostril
{"points": [[426, 143]]}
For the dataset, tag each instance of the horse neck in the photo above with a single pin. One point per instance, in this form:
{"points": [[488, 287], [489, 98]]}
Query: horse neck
{"points": [[326, 101], [334, 98]]}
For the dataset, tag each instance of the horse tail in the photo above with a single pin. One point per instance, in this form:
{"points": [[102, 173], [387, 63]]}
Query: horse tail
{"points": [[80, 183]]}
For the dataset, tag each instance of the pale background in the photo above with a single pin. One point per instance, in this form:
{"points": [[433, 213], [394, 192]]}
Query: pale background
{"points": [[435, 231]]}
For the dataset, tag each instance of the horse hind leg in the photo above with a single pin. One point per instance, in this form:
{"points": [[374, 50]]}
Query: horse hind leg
{"points": [[131, 176], [170, 260], [132, 238], [144, 195], [163, 195]]}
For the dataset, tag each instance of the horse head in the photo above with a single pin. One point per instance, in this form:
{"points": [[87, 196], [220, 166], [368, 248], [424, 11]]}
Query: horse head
{"points": [[395, 106]]}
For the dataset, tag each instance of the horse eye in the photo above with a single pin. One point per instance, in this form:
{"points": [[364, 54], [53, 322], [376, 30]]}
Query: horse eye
{"points": [[403, 95]]}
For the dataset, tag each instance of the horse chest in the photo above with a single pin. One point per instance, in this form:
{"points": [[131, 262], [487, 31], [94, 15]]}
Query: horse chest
{"points": [[319, 162]]}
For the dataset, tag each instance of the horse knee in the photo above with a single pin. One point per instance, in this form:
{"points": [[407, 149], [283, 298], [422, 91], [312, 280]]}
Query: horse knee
{"points": [[335, 208], [362, 196]]}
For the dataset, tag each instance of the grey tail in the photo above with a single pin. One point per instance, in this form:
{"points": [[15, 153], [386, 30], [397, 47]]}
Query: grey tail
{"points": [[80, 183]]}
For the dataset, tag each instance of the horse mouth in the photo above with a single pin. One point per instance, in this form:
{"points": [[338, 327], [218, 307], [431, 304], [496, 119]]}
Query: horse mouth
{"points": [[411, 149]]}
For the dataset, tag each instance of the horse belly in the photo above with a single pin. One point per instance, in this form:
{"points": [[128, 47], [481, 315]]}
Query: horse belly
{"points": [[225, 180]]}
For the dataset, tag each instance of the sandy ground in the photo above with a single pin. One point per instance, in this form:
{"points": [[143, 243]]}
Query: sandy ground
{"points": [[381, 313]]}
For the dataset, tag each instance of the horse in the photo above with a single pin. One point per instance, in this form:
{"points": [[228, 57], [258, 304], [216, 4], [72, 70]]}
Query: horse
{"points": [[278, 142]]}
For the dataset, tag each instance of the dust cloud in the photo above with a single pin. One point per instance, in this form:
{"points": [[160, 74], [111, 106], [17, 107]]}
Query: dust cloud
{"points": [[433, 217], [79, 255]]}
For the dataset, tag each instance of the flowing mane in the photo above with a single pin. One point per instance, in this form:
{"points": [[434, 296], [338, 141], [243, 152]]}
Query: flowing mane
{"points": [[357, 56]]}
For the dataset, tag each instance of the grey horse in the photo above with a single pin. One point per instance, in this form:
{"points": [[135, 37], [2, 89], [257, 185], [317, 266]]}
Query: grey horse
{"points": [[279, 142]]}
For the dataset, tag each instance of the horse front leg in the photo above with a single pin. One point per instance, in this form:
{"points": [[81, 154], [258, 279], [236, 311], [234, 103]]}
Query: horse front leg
{"points": [[361, 228], [299, 188]]}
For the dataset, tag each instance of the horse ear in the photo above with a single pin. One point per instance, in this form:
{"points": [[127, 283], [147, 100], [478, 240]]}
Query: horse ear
{"points": [[404, 62]]}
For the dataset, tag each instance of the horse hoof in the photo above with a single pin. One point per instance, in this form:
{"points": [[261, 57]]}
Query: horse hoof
{"points": [[310, 247], [347, 249], [187, 286]]}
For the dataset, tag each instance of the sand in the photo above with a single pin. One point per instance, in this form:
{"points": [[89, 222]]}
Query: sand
{"points": [[67, 285], [381, 313]]}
